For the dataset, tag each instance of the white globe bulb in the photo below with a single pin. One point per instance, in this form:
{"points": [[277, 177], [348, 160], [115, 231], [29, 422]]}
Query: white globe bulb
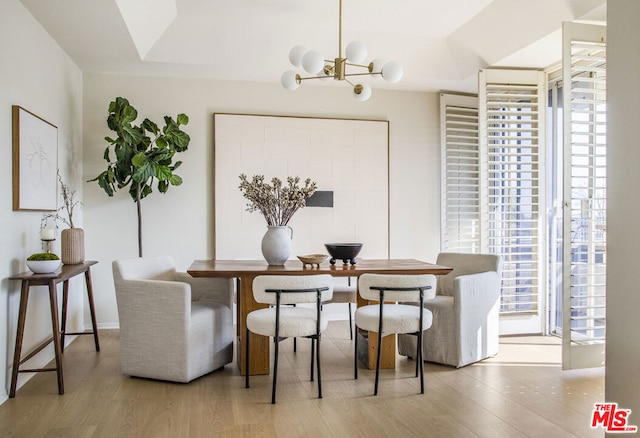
{"points": [[375, 67], [356, 52], [290, 80], [312, 62], [392, 72], [362, 92], [296, 54]]}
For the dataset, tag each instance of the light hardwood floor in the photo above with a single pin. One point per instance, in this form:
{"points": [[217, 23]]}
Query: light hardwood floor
{"points": [[520, 393]]}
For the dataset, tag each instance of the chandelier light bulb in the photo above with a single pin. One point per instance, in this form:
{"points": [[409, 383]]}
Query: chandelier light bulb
{"points": [[392, 72], [296, 54], [290, 80], [362, 92], [312, 62], [356, 52]]}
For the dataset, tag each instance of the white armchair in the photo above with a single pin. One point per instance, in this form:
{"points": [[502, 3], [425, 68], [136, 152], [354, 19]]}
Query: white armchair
{"points": [[172, 326], [465, 311]]}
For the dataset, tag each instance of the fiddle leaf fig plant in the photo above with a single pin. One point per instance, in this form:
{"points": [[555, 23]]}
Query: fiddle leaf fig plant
{"points": [[141, 154]]}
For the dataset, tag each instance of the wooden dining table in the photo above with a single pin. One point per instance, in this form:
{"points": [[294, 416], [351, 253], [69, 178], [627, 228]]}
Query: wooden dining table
{"points": [[246, 270]]}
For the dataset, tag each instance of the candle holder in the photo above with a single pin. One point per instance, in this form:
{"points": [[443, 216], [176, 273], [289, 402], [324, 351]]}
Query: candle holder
{"points": [[47, 235], [46, 244]]}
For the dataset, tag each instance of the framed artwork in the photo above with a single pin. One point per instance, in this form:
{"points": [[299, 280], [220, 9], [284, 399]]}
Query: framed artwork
{"points": [[347, 158], [35, 162]]}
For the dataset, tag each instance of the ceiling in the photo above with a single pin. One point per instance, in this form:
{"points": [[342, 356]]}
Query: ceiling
{"points": [[441, 44]]}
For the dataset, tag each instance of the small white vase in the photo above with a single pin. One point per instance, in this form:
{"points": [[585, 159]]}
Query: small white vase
{"points": [[276, 245]]}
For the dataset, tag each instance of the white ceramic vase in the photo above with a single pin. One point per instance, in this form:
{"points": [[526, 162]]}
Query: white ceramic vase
{"points": [[276, 245]]}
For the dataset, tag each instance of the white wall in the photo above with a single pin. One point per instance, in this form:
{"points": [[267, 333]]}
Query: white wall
{"points": [[37, 75], [622, 381], [180, 223]]}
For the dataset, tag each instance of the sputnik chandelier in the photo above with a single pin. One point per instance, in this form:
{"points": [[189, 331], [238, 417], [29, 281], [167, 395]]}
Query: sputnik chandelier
{"points": [[314, 63]]}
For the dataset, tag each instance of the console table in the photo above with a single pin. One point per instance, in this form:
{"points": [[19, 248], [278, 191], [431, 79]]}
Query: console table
{"points": [[62, 275]]}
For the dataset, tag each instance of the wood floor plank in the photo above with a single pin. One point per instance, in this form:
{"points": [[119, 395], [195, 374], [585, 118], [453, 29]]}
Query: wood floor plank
{"points": [[522, 392]]}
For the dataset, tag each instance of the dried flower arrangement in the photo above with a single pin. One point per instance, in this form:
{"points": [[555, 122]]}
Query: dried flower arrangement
{"points": [[276, 202], [64, 213]]}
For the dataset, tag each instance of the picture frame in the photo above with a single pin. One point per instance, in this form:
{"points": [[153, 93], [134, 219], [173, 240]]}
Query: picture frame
{"points": [[35, 161]]}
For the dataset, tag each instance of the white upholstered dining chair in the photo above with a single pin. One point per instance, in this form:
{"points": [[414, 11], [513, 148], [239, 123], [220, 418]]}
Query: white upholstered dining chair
{"points": [[387, 316], [281, 320], [172, 326], [465, 312]]}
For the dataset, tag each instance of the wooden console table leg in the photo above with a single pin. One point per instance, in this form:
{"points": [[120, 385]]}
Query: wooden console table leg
{"points": [[92, 309], [22, 314], [53, 298]]}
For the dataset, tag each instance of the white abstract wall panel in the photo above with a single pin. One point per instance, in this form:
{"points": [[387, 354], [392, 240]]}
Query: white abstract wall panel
{"points": [[347, 157]]}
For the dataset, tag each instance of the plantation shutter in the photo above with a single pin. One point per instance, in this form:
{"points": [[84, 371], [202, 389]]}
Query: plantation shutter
{"points": [[460, 167], [584, 215], [512, 175]]}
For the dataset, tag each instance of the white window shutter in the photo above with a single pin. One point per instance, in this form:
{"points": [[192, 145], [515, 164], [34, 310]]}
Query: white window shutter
{"points": [[512, 105], [460, 197], [584, 213]]}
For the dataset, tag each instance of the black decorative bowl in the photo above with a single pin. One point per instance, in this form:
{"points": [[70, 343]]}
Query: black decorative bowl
{"points": [[347, 252]]}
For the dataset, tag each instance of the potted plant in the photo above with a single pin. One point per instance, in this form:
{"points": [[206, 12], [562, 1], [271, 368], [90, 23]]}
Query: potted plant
{"points": [[277, 203], [142, 153], [71, 238], [43, 263]]}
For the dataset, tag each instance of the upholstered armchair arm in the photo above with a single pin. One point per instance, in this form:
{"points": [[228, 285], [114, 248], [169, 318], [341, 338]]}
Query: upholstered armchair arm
{"points": [[475, 293], [210, 290], [150, 304], [476, 304]]}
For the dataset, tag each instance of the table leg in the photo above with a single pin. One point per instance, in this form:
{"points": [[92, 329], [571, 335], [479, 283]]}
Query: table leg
{"points": [[388, 348], [92, 309], [22, 314], [53, 298], [258, 345], [65, 300]]}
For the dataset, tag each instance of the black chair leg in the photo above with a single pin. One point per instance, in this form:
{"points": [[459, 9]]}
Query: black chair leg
{"points": [[318, 366], [313, 345], [417, 358], [246, 360], [375, 392], [275, 372], [355, 359], [350, 323], [295, 344], [421, 361]]}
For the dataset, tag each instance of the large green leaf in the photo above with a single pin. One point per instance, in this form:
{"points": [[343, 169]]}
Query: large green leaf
{"points": [[139, 159], [129, 114], [163, 173], [183, 119], [144, 172], [175, 180]]}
